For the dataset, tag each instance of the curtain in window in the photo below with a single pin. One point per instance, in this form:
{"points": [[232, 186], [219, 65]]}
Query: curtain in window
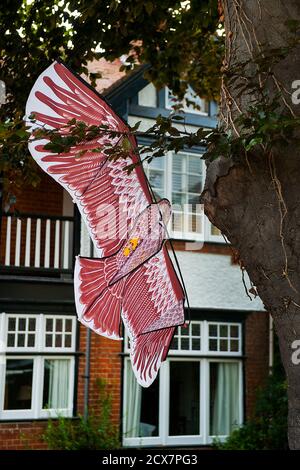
{"points": [[134, 401], [58, 383], [225, 398]]}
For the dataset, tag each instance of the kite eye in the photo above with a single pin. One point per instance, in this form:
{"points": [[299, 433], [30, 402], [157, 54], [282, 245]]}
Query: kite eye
{"points": [[126, 251], [134, 243]]}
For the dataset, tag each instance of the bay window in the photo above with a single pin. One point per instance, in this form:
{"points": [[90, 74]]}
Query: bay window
{"points": [[198, 395], [36, 365], [180, 178]]}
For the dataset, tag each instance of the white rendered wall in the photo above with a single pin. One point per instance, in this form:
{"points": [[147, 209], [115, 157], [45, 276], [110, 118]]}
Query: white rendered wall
{"points": [[213, 282]]}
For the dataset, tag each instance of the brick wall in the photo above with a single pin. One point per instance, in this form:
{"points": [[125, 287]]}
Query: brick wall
{"points": [[257, 356], [106, 364], [22, 435], [46, 198]]}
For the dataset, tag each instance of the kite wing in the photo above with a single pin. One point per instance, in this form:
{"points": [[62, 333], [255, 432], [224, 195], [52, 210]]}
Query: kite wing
{"points": [[152, 308], [108, 198]]}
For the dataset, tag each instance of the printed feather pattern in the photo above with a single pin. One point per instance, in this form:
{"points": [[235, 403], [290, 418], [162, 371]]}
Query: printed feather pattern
{"points": [[133, 278]]}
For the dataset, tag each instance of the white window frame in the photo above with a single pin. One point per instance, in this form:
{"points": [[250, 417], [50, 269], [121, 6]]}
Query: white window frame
{"points": [[204, 350], [163, 438], [206, 234], [204, 357], [37, 411], [185, 234]]}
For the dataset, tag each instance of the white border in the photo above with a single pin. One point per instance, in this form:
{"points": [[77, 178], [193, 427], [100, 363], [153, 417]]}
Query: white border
{"points": [[36, 410]]}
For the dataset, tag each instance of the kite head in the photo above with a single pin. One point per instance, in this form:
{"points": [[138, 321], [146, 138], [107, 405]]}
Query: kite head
{"points": [[165, 210]]}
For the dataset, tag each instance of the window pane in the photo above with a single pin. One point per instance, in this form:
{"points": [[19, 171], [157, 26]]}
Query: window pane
{"points": [[10, 340], [224, 398], [148, 96], [58, 343], [234, 345], [171, 99], [177, 221], [185, 331], [213, 330], [185, 343], [31, 341], [156, 179], [213, 345], [68, 341], [68, 325], [194, 103], [178, 162], [194, 184], [180, 199], [223, 330], [158, 193], [194, 223], [196, 329], [141, 408], [18, 384], [194, 165], [31, 325], [49, 324], [56, 383], [157, 163], [215, 231], [196, 345], [174, 344], [184, 398], [177, 182], [11, 324], [22, 324], [58, 325], [223, 345], [234, 331], [194, 201], [48, 341], [21, 341]]}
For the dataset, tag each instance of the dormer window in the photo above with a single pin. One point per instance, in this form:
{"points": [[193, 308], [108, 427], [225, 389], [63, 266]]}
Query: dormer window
{"points": [[191, 102]]}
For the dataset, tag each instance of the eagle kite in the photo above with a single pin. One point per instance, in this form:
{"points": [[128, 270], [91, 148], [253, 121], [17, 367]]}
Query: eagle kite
{"points": [[133, 278]]}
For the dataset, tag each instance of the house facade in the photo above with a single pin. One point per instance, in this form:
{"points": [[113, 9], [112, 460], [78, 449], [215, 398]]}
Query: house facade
{"points": [[50, 364]]}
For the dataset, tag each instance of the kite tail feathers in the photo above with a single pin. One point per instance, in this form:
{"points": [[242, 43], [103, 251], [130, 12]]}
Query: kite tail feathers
{"points": [[147, 352], [98, 303]]}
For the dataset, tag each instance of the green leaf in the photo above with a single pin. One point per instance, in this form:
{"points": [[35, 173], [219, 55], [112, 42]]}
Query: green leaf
{"points": [[253, 142], [174, 132], [136, 126], [149, 7], [126, 144]]}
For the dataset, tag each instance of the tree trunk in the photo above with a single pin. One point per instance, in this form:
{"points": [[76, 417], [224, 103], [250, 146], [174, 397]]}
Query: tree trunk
{"points": [[255, 200]]}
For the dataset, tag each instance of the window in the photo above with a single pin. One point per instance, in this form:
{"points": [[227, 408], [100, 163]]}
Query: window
{"points": [[36, 365], [191, 103], [180, 177], [198, 395], [148, 96]]}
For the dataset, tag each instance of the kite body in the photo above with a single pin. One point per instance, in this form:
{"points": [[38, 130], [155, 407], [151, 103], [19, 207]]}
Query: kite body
{"points": [[133, 278]]}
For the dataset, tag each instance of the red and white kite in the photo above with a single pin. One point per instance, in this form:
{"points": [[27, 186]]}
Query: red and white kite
{"points": [[133, 278]]}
